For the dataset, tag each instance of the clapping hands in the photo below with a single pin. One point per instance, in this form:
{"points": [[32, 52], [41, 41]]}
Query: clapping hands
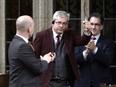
{"points": [[48, 57], [91, 45]]}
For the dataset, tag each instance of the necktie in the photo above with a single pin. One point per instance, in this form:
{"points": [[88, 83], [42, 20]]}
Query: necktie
{"points": [[58, 41], [30, 44], [93, 38]]}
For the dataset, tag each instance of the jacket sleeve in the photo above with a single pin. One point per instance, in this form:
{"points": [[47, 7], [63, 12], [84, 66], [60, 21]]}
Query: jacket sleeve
{"points": [[28, 58]]}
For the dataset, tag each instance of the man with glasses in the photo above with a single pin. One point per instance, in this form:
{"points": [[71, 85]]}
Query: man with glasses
{"points": [[61, 40], [95, 58]]}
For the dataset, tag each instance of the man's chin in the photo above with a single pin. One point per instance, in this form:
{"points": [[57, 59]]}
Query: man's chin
{"points": [[60, 32]]}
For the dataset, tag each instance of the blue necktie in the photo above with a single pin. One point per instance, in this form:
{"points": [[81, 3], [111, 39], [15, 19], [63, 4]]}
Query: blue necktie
{"points": [[93, 38]]}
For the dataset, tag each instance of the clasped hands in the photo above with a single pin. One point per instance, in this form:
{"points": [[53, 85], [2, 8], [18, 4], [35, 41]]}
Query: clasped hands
{"points": [[48, 57], [90, 47]]}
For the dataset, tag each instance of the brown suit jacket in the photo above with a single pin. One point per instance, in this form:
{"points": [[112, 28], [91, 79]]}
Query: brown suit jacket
{"points": [[43, 44]]}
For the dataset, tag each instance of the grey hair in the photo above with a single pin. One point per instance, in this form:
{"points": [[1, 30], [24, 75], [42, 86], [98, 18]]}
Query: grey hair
{"points": [[61, 13], [23, 22]]}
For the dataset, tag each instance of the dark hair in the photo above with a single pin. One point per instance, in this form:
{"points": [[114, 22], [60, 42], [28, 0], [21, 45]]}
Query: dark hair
{"points": [[97, 15]]}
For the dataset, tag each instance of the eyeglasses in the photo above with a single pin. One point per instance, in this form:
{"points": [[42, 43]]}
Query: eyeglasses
{"points": [[61, 23]]}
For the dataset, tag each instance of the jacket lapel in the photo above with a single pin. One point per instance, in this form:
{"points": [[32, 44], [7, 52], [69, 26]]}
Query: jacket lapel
{"points": [[50, 39], [98, 44]]}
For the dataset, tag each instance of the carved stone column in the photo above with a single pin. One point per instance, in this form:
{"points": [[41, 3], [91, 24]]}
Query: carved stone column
{"points": [[2, 37], [84, 12], [42, 14]]}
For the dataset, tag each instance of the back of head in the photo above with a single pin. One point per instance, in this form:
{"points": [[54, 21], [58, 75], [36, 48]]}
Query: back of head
{"points": [[61, 14], [24, 22]]}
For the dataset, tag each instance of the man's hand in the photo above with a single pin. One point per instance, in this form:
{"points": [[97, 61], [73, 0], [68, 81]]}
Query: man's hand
{"points": [[91, 45], [48, 57], [87, 51], [87, 28]]}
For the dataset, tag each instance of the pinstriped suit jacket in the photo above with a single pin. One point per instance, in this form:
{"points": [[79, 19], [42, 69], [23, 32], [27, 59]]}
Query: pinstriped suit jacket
{"points": [[25, 68]]}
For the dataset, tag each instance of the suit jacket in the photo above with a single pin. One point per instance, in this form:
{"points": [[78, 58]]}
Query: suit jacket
{"points": [[44, 43], [96, 66], [25, 68]]}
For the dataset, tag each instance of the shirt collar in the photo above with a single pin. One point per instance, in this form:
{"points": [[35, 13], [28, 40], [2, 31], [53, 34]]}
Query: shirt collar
{"points": [[25, 39], [97, 36], [55, 34]]}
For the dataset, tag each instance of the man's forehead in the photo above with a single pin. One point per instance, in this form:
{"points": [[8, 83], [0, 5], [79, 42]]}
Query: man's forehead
{"points": [[62, 18]]}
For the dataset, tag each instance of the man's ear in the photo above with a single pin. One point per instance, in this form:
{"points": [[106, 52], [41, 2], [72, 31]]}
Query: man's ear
{"points": [[29, 29], [102, 26]]}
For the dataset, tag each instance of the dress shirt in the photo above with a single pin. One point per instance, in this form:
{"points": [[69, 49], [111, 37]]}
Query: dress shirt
{"points": [[54, 36], [25, 39], [96, 49]]}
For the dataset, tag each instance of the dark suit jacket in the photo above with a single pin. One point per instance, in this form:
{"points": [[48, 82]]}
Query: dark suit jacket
{"points": [[25, 68], [43, 44], [96, 66]]}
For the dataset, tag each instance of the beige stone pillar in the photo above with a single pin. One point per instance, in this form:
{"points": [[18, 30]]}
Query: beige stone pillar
{"points": [[84, 12], [2, 37], [42, 14]]}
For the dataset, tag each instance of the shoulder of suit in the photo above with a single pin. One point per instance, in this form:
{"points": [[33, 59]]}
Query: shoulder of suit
{"points": [[107, 40], [44, 31]]}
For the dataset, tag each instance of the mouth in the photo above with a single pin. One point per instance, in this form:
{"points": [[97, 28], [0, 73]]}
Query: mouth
{"points": [[61, 30]]}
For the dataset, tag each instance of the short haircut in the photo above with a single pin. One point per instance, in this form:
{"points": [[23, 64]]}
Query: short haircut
{"points": [[61, 14], [23, 22], [97, 15]]}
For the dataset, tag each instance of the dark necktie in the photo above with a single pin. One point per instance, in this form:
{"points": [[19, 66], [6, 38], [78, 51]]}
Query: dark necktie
{"points": [[30, 44], [58, 41], [93, 38]]}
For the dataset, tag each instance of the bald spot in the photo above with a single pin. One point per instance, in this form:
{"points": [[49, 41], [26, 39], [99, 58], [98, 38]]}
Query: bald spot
{"points": [[24, 22]]}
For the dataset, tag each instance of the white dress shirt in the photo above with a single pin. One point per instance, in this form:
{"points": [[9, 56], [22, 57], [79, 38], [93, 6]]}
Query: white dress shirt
{"points": [[25, 39], [96, 49], [54, 36]]}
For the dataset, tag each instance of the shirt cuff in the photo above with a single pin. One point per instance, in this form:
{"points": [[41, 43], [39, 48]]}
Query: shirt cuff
{"points": [[87, 33], [85, 54], [95, 51]]}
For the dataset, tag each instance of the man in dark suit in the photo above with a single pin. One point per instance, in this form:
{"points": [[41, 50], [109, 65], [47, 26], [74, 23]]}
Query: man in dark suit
{"points": [[95, 58], [62, 71], [25, 68]]}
